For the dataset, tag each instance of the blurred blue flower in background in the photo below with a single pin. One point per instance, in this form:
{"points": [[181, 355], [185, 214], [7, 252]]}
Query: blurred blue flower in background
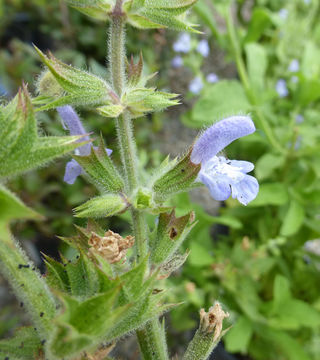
{"points": [[3, 90], [177, 62], [225, 177], [299, 118], [196, 85], [71, 121], [294, 66], [281, 88], [183, 44], [212, 78], [203, 48], [283, 13]]}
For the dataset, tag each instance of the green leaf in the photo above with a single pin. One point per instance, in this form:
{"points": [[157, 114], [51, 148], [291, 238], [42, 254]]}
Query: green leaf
{"points": [[281, 291], [83, 277], [199, 256], [271, 194], [101, 170], [102, 206], [25, 345], [133, 280], [257, 63], [293, 219], [238, 337], [282, 342], [98, 9], [309, 91], [12, 208], [56, 274], [260, 21], [81, 87], [83, 323], [20, 145], [217, 101], [267, 164], [310, 66]]}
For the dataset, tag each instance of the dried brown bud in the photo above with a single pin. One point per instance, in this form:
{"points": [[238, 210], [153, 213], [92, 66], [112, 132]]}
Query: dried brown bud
{"points": [[111, 246], [212, 320]]}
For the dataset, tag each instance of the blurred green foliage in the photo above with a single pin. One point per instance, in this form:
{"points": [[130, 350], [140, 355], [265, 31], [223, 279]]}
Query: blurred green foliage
{"points": [[252, 259]]}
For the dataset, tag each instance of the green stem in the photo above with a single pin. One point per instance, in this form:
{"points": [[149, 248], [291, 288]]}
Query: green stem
{"points": [[29, 287], [150, 337], [262, 121], [152, 341], [124, 124]]}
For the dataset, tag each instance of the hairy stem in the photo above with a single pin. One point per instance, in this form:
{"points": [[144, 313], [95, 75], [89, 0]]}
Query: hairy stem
{"points": [[124, 123], [149, 337], [28, 285], [152, 341]]}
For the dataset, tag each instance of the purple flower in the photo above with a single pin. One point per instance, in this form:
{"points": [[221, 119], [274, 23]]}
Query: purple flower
{"points": [[183, 44], [212, 78], [71, 121], [203, 48], [294, 66], [177, 62], [225, 177], [281, 88], [196, 85]]}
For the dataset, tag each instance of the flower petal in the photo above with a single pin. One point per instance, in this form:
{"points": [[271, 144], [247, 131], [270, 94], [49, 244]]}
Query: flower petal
{"points": [[73, 170], [219, 135], [245, 190], [244, 166], [72, 122], [219, 188]]}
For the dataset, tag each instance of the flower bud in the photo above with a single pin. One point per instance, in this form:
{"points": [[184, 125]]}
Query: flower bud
{"points": [[47, 85]]}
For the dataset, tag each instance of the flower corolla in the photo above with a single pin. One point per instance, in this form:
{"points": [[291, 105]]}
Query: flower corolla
{"points": [[224, 177], [71, 122]]}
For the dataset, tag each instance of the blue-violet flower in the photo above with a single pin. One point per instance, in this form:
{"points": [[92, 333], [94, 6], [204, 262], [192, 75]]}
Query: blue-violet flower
{"points": [[225, 177], [71, 121], [212, 78], [281, 88], [177, 62], [196, 85], [203, 48], [183, 44], [294, 66]]}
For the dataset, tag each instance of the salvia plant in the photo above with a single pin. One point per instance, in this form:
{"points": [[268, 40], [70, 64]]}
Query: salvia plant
{"points": [[110, 288]]}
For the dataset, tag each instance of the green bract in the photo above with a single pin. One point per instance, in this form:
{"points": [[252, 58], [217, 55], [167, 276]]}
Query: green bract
{"points": [[21, 149], [78, 87], [142, 14]]}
